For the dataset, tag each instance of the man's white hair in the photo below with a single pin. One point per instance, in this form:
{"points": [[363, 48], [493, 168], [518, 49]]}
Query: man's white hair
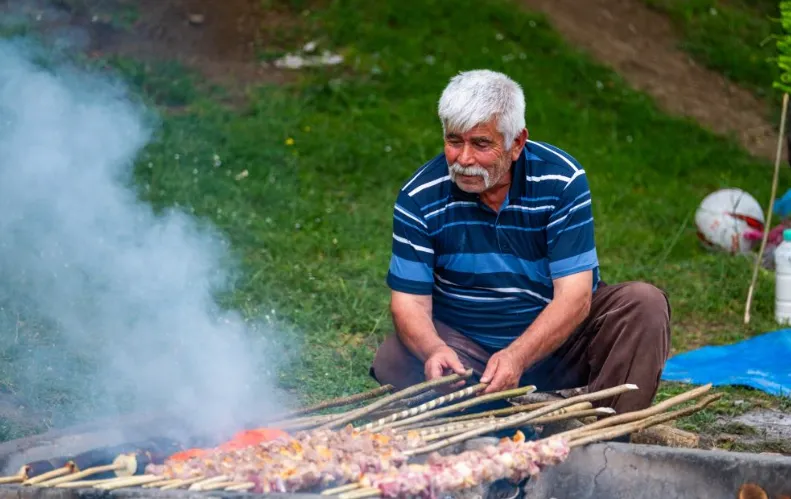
{"points": [[475, 97]]}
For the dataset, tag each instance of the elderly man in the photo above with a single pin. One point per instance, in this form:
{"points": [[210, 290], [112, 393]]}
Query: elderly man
{"points": [[494, 265]]}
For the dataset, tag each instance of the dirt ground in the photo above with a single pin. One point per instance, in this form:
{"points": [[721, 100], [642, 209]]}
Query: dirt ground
{"points": [[217, 38], [640, 45]]}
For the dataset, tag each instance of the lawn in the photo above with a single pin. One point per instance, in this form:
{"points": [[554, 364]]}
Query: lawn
{"points": [[311, 222]]}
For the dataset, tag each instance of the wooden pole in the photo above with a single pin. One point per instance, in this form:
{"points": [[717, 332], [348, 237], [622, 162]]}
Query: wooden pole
{"points": [[768, 223]]}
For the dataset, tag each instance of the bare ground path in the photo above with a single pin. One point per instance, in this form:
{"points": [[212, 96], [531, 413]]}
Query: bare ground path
{"points": [[640, 44]]}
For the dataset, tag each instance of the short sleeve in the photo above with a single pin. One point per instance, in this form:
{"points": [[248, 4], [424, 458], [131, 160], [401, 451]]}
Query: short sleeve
{"points": [[570, 238], [412, 257]]}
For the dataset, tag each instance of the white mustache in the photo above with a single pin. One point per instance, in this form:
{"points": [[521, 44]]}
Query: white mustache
{"points": [[457, 169]]}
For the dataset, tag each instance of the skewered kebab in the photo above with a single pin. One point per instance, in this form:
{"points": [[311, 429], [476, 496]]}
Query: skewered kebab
{"points": [[283, 466], [510, 459], [308, 459]]}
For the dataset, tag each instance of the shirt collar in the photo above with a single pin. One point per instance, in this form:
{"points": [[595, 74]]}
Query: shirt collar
{"points": [[517, 182]]}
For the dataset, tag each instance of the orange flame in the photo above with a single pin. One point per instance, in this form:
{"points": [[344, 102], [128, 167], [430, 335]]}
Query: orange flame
{"points": [[240, 440]]}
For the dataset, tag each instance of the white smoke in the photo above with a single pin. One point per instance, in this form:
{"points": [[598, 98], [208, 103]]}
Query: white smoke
{"points": [[126, 291]]}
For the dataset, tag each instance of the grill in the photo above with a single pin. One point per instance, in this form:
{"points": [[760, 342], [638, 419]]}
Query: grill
{"points": [[414, 442]]}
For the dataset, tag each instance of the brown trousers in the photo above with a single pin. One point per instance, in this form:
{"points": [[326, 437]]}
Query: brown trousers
{"points": [[624, 339]]}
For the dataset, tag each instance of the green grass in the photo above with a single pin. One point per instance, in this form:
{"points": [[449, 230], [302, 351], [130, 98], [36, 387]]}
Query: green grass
{"points": [[733, 37], [311, 222]]}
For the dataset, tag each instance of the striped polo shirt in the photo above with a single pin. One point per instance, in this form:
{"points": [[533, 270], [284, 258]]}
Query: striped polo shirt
{"points": [[490, 273]]}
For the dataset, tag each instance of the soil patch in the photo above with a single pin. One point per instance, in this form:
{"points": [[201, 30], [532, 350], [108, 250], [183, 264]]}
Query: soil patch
{"points": [[220, 40], [640, 44]]}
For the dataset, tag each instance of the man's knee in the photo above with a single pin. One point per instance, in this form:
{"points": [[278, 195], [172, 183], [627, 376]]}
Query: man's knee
{"points": [[647, 308], [394, 365], [647, 301]]}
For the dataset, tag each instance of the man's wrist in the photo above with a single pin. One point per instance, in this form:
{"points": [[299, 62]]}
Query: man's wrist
{"points": [[520, 354], [433, 348]]}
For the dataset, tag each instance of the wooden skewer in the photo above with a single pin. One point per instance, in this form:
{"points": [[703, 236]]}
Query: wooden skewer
{"points": [[301, 423], [339, 402], [627, 428], [361, 493], [518, 419], [449, 409], [80, 474], [159, 483], [455, 428], [507, 411], [241, 487], [220, 485], [82, 483], [182, 482], [414, 411], [13, 479], [64, 470], [635, 415], [127, 481], [406, 392], [208, 481], [341, 489], [420, 398], [600, 411]]}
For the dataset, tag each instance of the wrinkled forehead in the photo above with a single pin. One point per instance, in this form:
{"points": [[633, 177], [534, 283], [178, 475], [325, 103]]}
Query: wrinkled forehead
{"points": [[485, 130]]}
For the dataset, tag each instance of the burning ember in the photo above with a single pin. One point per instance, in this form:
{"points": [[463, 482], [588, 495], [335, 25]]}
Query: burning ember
{"points": [[366, 451]]}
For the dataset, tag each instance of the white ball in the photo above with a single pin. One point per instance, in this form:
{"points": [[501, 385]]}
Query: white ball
{"points": [[724, 216]]}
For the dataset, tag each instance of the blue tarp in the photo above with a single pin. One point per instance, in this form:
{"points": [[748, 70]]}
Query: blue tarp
{"points": [[762, 362]]}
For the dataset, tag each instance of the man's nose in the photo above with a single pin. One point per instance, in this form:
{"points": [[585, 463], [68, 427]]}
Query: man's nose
{"points": [[467, 157]]}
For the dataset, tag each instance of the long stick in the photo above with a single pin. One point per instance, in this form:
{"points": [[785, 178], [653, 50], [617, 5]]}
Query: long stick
{"points": [[506, 411], [12, 479], [303, 423], [769, 209], [447, 432], [338, 490], [627, 428], [445, 427], [628, 417], [518, 419], [64, 470], [208, 481], [127, 482], [338, 402], [241, 487], [480, 399], [182, 483], [160, 483], [406, 392], [414, 411], [361, 493], [81, 474], [82, 483]]}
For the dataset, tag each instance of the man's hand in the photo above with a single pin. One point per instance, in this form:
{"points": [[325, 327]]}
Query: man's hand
{"points": [[502, 371], [444, 361]]}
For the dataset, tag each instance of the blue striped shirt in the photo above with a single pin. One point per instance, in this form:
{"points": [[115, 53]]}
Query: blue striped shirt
{"points": [[490, 273]]}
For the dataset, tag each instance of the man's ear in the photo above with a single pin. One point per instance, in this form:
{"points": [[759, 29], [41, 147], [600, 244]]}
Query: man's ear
{"points": [[519, 143]]}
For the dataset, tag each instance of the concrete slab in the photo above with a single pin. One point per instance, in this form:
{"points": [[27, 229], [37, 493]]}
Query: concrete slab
{"points": [[615, 471]]}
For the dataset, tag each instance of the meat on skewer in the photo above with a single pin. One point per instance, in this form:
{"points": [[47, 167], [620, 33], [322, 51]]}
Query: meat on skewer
{"points": [[307, 460], [512, 460]]}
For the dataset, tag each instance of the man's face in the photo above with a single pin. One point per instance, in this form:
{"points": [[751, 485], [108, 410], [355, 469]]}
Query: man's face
{"points": [[478, 159]]}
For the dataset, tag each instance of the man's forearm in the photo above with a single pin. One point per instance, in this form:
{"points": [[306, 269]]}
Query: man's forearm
{"points": [[415, 329], [551, 328]]}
